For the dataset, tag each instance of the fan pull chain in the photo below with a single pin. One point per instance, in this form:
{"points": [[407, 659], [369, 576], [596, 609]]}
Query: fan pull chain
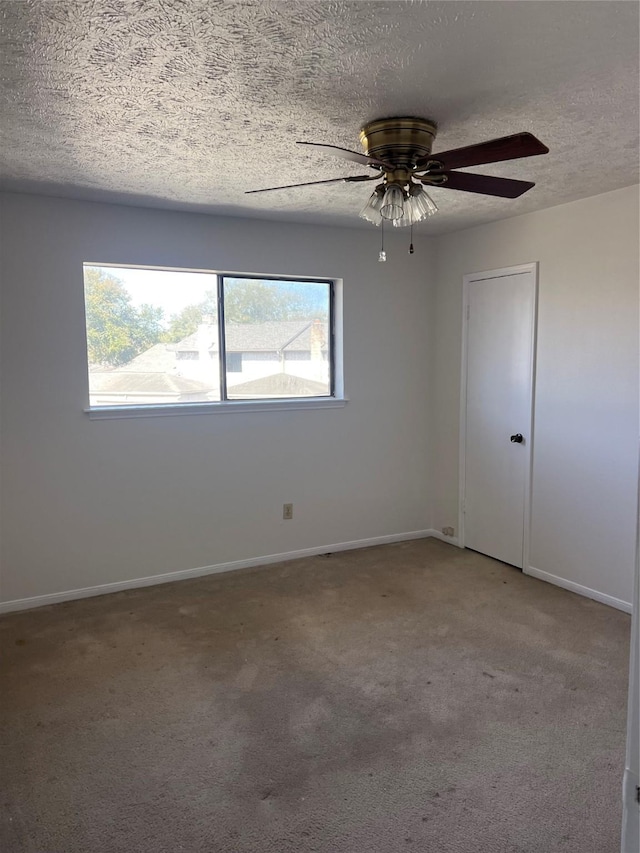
{"points": [[411, 240], [382, 257]]}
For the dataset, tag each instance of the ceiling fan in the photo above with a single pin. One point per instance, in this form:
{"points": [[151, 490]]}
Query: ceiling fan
{"points": [[399, 152]]}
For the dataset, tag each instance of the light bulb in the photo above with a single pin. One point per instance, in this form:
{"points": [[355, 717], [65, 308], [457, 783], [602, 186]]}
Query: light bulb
{"points": [[392, 203]]}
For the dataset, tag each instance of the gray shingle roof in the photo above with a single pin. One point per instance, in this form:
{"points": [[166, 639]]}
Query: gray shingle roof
{"points": [[132, 382], [157, 359], [279, 385], [292, 335]]}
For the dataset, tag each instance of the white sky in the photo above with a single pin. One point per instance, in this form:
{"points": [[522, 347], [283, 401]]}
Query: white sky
{"points": [[173, 290], [167, 289]]}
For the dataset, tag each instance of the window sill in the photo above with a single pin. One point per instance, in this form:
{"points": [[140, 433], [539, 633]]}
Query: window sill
{"points": [[227, 407]]}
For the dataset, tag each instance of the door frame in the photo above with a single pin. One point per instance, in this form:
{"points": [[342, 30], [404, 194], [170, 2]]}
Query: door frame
{"points": [[467, 281]]}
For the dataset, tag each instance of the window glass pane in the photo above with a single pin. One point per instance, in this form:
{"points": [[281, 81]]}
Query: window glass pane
{"points": [[234, 362], [152, 336], [277, 338]]}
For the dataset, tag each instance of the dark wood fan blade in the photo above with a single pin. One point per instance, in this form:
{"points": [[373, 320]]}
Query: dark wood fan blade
{"points": [[346, 154], [348, 180], [494, 151], [483, 184]]}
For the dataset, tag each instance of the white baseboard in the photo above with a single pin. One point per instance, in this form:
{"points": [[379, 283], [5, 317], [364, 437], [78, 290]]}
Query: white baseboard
{"points": [[219, 568], [185, 574], [602, 597], [450, 540]]}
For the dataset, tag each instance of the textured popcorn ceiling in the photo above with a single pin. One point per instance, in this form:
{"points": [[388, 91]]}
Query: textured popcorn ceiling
{"points": [[186, 104]]}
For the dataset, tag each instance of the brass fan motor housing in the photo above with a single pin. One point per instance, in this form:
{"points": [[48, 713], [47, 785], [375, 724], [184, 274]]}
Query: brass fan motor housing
{"points": [[400, 141]]}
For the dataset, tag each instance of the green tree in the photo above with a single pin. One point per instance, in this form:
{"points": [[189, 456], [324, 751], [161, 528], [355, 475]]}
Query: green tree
{"points": [[251, 301], [184, 324], [256, 301], [117, 331], [248, 301]]}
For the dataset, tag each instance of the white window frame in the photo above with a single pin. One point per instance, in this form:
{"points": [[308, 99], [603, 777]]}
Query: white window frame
{"points": [[335, 399]]}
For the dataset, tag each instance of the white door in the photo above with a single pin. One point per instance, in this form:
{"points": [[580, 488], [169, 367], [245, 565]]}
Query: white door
{"points": [[497, 411]]}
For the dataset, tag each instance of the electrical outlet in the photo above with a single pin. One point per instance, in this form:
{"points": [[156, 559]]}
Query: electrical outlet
{"points": [[448, 531], [287, 511]]}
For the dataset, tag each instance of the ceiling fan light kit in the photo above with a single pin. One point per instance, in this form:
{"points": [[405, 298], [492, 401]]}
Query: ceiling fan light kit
{"points": [[399, 151]]}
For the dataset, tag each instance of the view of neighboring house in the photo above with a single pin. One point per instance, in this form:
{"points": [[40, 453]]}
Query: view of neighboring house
{"points": [[288, 358]]}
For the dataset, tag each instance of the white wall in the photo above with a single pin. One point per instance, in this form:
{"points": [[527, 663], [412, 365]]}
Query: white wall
{"points": [[586, 407], [93, 502]]}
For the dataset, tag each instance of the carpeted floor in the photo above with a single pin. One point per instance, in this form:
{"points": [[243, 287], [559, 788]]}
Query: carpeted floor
{"points": [[409, 697]]}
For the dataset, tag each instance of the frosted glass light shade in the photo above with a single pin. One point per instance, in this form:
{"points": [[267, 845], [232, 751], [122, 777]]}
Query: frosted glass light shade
{"points": [[422, 202], [371, 210], [392, 203], [417, 207], [408, 217]]}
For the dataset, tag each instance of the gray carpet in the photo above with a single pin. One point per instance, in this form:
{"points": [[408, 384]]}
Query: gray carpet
{"points": [[410, 697]]}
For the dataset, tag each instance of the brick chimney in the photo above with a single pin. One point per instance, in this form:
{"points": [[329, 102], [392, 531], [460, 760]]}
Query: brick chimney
{"points": [[206, 342], [317, 340]]}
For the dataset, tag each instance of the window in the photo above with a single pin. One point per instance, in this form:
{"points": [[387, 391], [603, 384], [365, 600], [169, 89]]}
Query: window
{"points": [[174, 337], [234, 362]]}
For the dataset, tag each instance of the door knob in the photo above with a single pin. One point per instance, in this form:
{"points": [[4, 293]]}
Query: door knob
{"points": [[517, 438]]}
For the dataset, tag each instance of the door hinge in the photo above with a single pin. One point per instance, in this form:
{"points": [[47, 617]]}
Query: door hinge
{"points": [[637, 793]]}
